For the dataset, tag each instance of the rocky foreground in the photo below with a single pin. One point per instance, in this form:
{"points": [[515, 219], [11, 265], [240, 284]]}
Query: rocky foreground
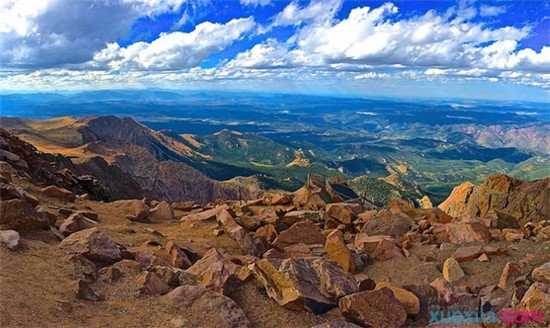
{"points": [[317, 257]]}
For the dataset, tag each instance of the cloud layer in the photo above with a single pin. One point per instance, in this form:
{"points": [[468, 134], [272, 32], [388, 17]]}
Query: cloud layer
{"points": [[38, 49]]}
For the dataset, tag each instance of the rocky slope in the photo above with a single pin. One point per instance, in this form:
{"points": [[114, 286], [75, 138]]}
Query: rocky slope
{"points": [[501, 197], [318, 257], [148, 162]]}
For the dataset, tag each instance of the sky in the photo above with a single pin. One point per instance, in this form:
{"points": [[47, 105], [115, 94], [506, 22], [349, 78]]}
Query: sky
{"points": [[461, 49]]}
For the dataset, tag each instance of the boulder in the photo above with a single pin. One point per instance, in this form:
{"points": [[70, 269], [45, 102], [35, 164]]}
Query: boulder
{"points": [[452, 271], [509, 274], [93, 244], [281, 199], [227, 312], [410, 301], [267, 232], [313, 283], [386, 250], [337, 251], [542, 273], [468, 253], [151, 284], [10, 239], [537, 298], [344, 213], [378, 308], [298, 215], [387, 223], [162, 212], [204, 215], [86, 292], [58, 193], [216, 272], [368, 244], [178, 255], [304, 232], [246, 242], [76, 222], [20, 214], [337, 324], [135, 209], [462, 232]]}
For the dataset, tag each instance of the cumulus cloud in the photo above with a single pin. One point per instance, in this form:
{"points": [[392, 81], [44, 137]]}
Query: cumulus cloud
{"points": [[255, 3], [175, 50], [485, 10], [42, 33], [317, 11]]}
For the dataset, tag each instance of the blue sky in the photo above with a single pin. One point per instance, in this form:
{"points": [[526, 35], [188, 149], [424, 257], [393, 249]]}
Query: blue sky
{"points": [[459, 49]]}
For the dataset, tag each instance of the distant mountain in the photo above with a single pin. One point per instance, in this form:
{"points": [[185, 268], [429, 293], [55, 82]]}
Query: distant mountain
{"points": [[160, 164]]}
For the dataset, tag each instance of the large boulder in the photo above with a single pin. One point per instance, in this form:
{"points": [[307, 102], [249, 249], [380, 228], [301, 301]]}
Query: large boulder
{"points": [[246, 241], [135, 209], [58, 193], [542, 273], [337, 251], [226, 312], [93, 244], [20, 214], [378, 308], [409, 300], [318, 191], [179, 256], [313, 282], [344, 213], [162, 212], [537, 298], [462, 232], [76, 222], [304, 232], [216, 272]]}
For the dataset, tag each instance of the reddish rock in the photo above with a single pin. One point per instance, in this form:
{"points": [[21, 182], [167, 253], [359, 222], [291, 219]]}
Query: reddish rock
{"points": [[151, 284], [468, 253], [135, 209], [542, 273], [537, 298], [204, 215], [245, 241], [226, 311], [337, 324], [368, 244], [178, 255], [94, 244], [19, 214], [76, 222], [337, 251], [378, 308], [483, 258], [267, 233], [313, 283], [304, 232], [86, 292], [162, 212], [343, 212], [386, 250], [513, 234], [216, 272], [410, 301], [463, 232], [510, 273], [58, 193], [281, 199]]}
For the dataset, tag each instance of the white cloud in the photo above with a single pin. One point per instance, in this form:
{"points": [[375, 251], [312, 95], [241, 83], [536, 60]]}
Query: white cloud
{"points": [[42, 33], [255, 3], [175, 50], [485, 10], [317, 11]]}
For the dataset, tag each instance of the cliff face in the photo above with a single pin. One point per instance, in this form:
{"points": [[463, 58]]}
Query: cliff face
{"points": [[500, 194]]}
